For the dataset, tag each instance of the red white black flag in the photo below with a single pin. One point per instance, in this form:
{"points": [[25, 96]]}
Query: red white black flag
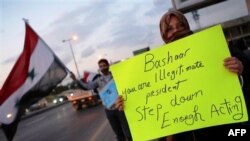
{"points": [[36, 72], [89, 76]]}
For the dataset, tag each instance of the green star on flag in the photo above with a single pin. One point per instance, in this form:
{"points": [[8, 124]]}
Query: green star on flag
{"points": [[31, 74]]}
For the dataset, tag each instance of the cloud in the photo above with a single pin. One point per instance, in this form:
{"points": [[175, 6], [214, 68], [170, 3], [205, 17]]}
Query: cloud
{"points": [[87, 52], [67, 58], [82, 21], [129, 30], [159, 2], [10, 60], [108, 25], [160, 7]]}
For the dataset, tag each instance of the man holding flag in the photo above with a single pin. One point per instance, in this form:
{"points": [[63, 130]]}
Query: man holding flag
{"points": [[36, 72]]}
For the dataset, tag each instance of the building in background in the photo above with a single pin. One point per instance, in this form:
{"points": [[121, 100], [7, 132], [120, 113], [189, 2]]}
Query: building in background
{"points": [[192, 5], [139, 51], [238, 29], [234, 29]]}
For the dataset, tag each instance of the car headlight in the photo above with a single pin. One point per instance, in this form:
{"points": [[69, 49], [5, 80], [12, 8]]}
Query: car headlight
{"points": [[54, 101], [61, 99]]}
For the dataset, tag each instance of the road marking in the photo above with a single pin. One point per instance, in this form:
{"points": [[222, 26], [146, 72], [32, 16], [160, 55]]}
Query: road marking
{"points": [[34, 121], [100, 130]]}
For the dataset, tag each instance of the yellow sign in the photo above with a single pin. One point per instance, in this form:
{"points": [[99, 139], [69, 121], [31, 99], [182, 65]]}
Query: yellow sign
{"points": [[180, 86]]}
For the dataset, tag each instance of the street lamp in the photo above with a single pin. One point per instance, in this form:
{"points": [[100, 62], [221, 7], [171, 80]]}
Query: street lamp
{"points": [[70, 45], [100, 56]]}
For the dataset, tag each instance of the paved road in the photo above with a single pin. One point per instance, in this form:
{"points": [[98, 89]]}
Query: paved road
{"points": [[64, 124]]}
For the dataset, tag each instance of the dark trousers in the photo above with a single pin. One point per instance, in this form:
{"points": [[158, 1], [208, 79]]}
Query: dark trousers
{"points": [[119, 124]]}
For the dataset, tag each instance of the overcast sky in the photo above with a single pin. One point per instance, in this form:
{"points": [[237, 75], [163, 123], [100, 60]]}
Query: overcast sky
{"points": [[112, 29]]}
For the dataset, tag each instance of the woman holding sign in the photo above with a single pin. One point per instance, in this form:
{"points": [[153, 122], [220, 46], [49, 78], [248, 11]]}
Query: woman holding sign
{"points": [[174, 26]]}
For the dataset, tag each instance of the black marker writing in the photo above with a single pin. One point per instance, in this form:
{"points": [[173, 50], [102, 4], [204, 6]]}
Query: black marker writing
{"points": [[227, 107], [178, 100], [165, 89], [152, 63], [189, 119], [146, 111]]}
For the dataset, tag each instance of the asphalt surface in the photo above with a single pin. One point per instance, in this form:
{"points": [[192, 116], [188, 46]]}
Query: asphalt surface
{"points": [[63, 123]]}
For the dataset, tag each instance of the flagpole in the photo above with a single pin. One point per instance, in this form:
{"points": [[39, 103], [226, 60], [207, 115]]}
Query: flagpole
{"points": [[26, 21]]}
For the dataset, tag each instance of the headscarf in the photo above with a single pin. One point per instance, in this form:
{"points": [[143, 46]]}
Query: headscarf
{"points": [[164, 23]]}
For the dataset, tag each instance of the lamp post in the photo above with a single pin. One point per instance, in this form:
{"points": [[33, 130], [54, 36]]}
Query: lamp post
{"points": [[70, 45]]}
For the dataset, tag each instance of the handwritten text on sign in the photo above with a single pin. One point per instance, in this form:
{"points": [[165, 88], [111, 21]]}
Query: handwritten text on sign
{"points": [[180, 86]]}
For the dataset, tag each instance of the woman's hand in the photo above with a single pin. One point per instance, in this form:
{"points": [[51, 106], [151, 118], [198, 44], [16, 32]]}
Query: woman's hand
{"points": [[234, 65], [119, 103]]}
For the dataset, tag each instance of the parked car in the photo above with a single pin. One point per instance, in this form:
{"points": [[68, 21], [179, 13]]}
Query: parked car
{"points": [[39, 105]]}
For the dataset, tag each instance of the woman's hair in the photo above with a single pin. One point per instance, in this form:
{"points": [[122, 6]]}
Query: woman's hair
{"points": [[165, 20]]}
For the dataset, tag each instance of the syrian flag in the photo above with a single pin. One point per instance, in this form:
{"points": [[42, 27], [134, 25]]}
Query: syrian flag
{"points": [[34, 75], [89, 76]]}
